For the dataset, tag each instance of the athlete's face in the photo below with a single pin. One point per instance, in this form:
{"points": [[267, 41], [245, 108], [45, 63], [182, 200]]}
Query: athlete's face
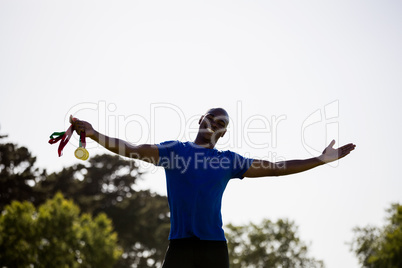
{"points": [[213, 124]]}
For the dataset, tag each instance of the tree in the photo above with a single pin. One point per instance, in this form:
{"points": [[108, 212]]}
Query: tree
{"points": [[269, 244], [17, 173], [106, 184], [103, 184], [380, 247], [55, 235]]}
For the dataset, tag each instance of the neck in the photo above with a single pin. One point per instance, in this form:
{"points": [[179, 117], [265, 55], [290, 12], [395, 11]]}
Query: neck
{"points": [[200, 141]]}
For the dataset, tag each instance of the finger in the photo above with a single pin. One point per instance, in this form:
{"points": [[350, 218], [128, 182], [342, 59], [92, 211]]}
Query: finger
{"points": [[348, 147], [343, 154], [79, 126], [332, 143], [74, 121]]}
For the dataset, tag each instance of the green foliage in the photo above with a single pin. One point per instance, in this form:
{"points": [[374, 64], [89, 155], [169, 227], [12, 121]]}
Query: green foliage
{"points": [[18, 235], [17, 173], [269, 244], [103, 184], [380, 247], [55, 235], [107, 185]]}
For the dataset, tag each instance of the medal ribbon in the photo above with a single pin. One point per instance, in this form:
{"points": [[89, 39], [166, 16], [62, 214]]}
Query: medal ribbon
{"points": [[63, 137], [82, 139]]}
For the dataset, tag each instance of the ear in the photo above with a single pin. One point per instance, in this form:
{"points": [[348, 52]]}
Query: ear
{"points": [[223, 134], [199, 121]]}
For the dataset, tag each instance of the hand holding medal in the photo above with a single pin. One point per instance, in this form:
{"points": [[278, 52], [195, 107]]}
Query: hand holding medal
{"points": [[64, 137]]}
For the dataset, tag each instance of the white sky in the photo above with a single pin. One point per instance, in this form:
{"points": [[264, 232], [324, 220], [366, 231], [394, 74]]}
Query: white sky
{"points": [[292, 75]]}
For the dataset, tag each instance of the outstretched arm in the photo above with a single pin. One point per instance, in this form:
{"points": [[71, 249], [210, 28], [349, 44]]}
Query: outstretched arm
{"points": [[145, 152], [263, 168]]}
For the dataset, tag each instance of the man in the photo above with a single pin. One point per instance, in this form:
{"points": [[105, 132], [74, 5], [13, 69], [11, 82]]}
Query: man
{"points": [[196, 176]]}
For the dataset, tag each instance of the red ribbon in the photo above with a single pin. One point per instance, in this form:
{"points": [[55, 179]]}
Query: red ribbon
{"points": [[82, 139], [63, 137]]}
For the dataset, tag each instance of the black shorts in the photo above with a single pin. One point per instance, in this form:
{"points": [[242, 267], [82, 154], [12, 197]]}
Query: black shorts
{"points": [[196, 253]]}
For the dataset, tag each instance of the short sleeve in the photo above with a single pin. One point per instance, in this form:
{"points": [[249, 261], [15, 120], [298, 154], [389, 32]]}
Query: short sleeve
{"points": [[166, 151], [240, 165]]}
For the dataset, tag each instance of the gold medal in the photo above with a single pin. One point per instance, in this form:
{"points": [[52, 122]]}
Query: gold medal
{"points": [[81, 153]]}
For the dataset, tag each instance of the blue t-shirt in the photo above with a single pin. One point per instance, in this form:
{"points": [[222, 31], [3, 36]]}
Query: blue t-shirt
{"points": [[196, 179]]}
